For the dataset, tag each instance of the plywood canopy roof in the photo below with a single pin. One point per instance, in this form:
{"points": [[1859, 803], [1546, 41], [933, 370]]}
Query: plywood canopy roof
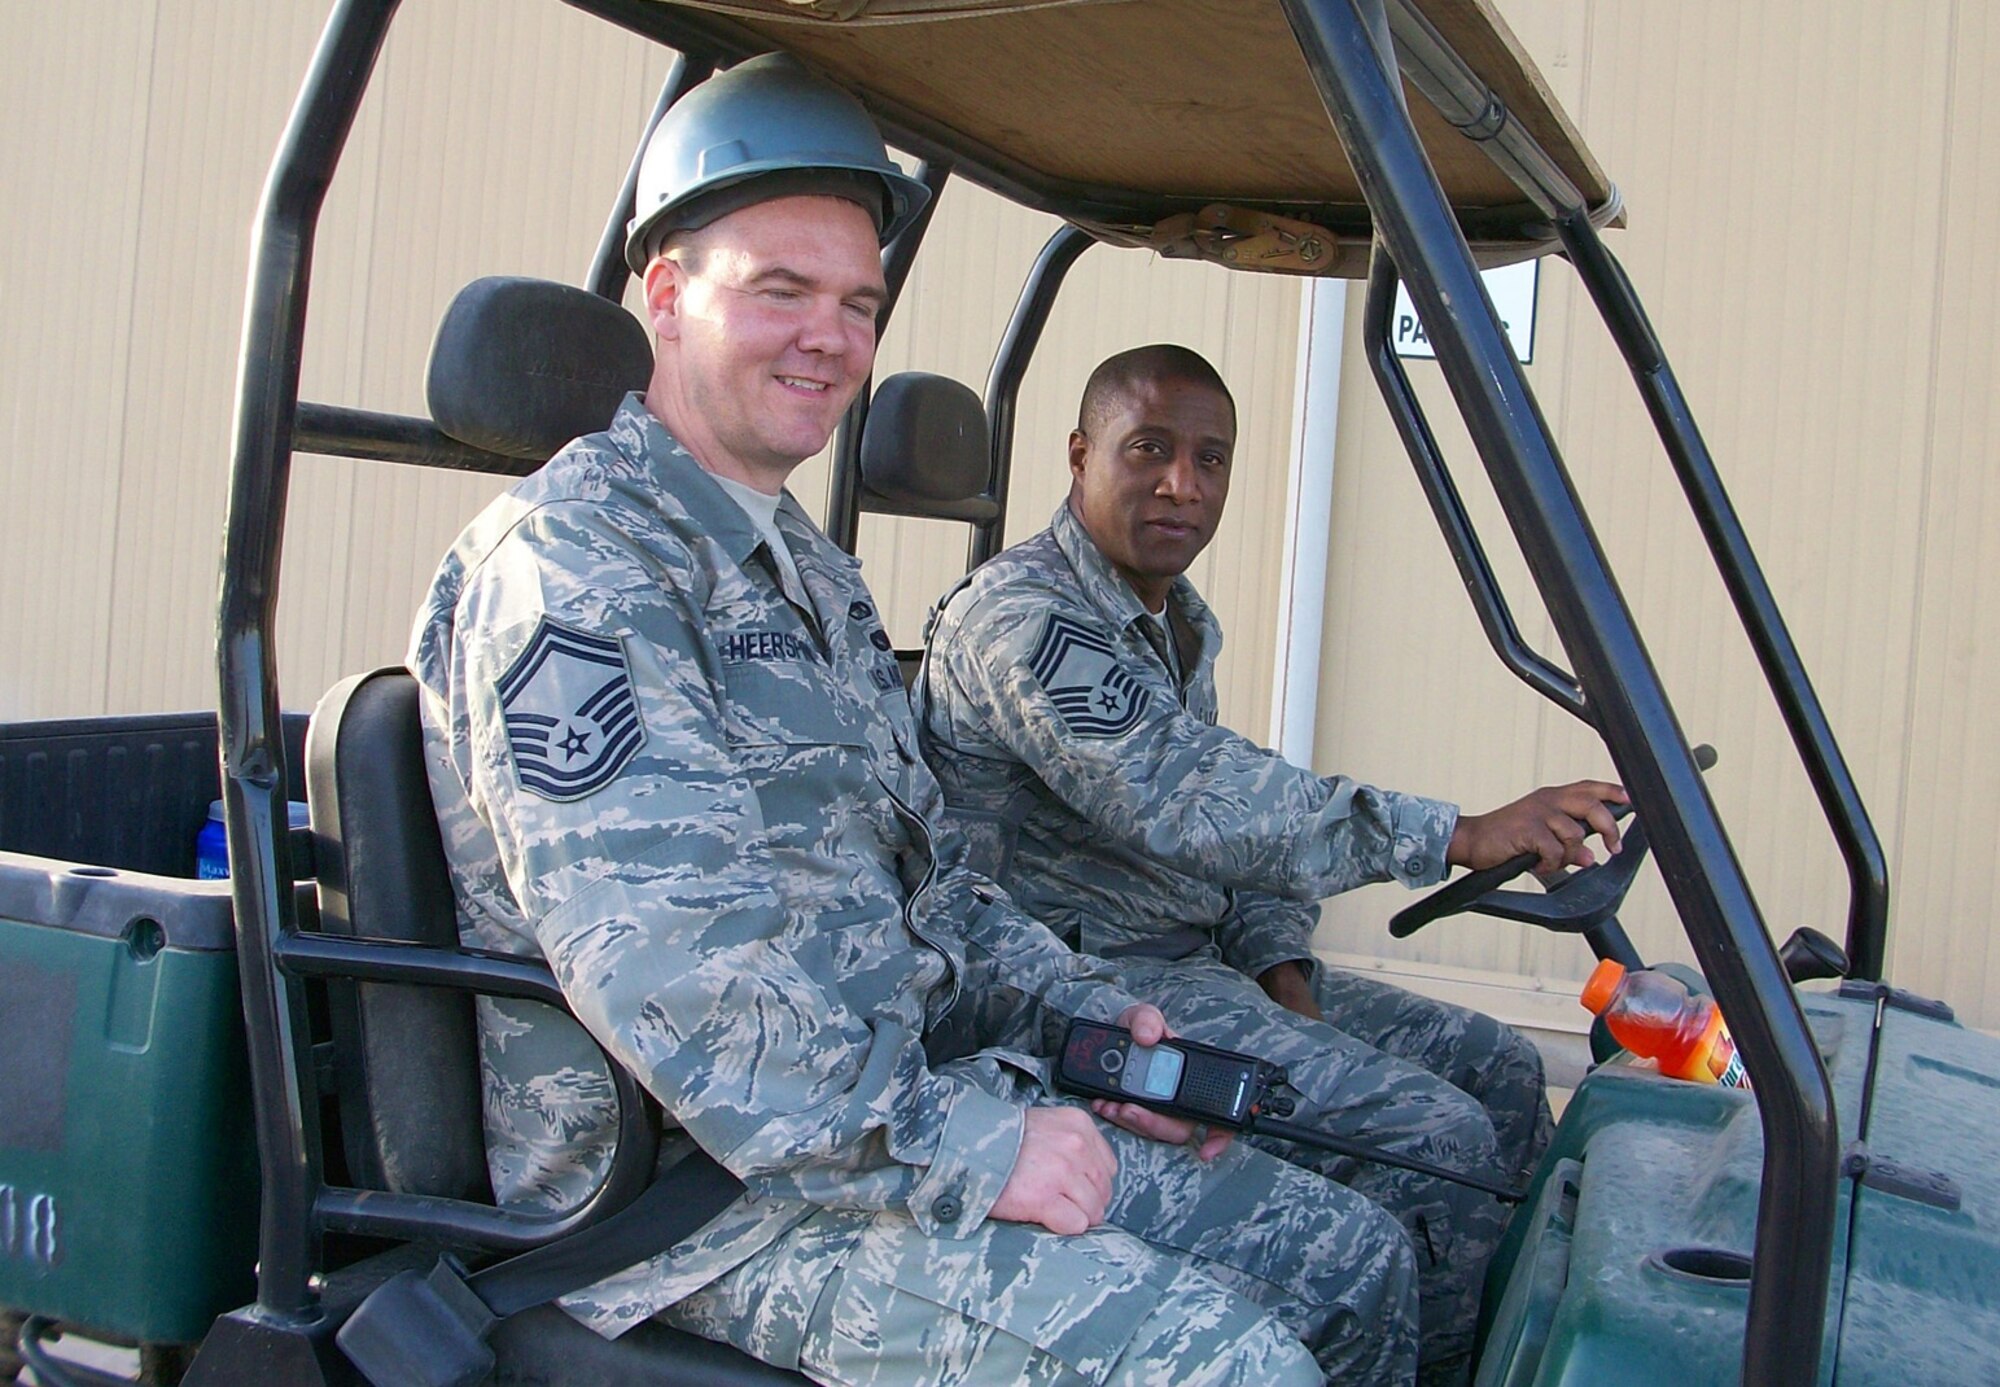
{"points": [[1118, 114]]}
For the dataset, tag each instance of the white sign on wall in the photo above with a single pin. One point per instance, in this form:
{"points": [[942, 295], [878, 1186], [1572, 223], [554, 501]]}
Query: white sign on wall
{"points": [[1512, 288]]}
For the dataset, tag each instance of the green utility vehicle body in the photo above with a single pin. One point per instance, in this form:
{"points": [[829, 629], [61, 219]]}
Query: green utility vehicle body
{"points": [[1632, 1254], [128, 1179], [179, 1132], [128, 1186], [128, 1163]]}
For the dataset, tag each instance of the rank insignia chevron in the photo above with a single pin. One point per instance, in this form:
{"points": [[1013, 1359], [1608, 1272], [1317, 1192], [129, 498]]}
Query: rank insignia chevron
{"points": [[1093, 693], [572, 717]]}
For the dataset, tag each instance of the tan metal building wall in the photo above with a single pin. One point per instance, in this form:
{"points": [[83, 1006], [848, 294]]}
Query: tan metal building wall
{"points": [[135, 143], [1809, 186], [492, 141], [1806, 184]]}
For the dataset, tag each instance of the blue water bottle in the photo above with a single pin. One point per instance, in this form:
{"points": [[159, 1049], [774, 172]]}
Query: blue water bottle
{"points": [[211, 847]]}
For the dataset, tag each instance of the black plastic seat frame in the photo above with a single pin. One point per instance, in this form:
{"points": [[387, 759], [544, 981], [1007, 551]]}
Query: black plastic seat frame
{"points": [[406, 1057]]}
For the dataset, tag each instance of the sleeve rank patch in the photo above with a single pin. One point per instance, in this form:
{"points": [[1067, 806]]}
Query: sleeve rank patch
{"points": [[1094, 694], [572, 717]]}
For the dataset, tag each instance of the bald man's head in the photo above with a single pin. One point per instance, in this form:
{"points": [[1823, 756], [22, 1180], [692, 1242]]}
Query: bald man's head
{"points": [[1112, 383]]}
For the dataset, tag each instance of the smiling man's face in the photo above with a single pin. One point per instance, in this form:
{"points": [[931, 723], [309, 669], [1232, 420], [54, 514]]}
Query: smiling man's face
{"points": [[766, 320], [1149, 479]]}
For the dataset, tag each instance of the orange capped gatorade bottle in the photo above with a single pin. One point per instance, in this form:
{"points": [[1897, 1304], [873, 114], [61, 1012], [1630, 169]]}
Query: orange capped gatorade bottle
{"points": [[1654, 1015]]}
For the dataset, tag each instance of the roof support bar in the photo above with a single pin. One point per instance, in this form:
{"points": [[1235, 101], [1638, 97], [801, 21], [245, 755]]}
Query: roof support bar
{"points": [[608, 270], [1477, 112], [1358, 83], [253, 748], [1010, 368], [1784, 671], [1495, 618], [843, 488]]}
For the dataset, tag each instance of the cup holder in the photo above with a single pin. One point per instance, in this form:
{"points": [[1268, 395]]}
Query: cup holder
{"points": [[1710, 1266]]}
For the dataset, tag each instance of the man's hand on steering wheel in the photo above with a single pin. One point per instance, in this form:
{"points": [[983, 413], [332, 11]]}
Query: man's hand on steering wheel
{"points": [[1551, 822]]}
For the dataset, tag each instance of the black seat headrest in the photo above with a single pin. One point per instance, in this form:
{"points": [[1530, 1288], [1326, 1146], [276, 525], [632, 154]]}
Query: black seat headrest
{"points": [[522, 366], [925, 449]]}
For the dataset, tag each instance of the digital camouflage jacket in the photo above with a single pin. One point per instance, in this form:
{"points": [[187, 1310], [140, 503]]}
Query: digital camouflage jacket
{"points": [[702, 803], [1098, 789]]}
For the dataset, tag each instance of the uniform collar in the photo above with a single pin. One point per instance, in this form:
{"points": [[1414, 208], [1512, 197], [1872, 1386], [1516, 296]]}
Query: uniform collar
{"points": [[1107, 590], [640, 435], [795, 525]]}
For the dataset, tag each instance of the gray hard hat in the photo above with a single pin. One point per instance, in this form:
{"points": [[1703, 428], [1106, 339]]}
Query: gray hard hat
{"points": [[766, 128]]}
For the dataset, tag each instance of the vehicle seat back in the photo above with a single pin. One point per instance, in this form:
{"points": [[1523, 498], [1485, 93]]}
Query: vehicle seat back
{"points": [[407, 1070], [925, 450]]}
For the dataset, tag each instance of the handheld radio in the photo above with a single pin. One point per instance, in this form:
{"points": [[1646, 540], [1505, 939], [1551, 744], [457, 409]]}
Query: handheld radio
{"points": [[1197, 1082], [1219, 1088]]}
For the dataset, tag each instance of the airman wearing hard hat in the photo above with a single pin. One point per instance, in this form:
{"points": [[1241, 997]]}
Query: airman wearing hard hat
{"points": [[670, 758]]}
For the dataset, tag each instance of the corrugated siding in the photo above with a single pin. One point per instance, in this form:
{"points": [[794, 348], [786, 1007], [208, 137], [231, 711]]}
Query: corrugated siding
{"points": [[1941, 939], [491, 141], [1805, 185], [66, 342], [977, 253], [1810, 187], [136, 140]]}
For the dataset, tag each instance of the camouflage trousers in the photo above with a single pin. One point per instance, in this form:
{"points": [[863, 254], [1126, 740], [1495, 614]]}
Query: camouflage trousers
{"points": [[1399, 1072], [1248, 1272], [1471, 1051]]}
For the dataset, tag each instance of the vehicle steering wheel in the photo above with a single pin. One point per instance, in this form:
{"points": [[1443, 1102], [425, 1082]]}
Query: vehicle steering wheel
{"points": [[1575, 902]]}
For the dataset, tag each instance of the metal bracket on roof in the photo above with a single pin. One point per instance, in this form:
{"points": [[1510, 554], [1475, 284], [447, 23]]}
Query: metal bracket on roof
{"points": [[1245, 239], [859, 12]]}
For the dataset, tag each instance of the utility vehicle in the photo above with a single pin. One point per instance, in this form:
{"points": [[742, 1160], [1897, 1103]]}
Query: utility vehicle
{"points": [[229, 1111]]}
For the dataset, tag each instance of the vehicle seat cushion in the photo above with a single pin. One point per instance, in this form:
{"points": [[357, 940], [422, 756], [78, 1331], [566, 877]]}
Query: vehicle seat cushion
{"points": [[522, 366], [925, 444]]}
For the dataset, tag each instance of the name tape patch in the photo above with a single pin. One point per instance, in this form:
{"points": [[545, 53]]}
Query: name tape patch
{"points": [[758, 647], [1093, 693], [572, 716]]}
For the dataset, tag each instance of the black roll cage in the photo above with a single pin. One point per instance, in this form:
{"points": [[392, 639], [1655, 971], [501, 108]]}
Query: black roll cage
{"points": [[1354, 49]]}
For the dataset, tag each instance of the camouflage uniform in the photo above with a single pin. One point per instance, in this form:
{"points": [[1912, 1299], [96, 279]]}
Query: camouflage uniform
{"points": [[699, 797], [1097, 789]]}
